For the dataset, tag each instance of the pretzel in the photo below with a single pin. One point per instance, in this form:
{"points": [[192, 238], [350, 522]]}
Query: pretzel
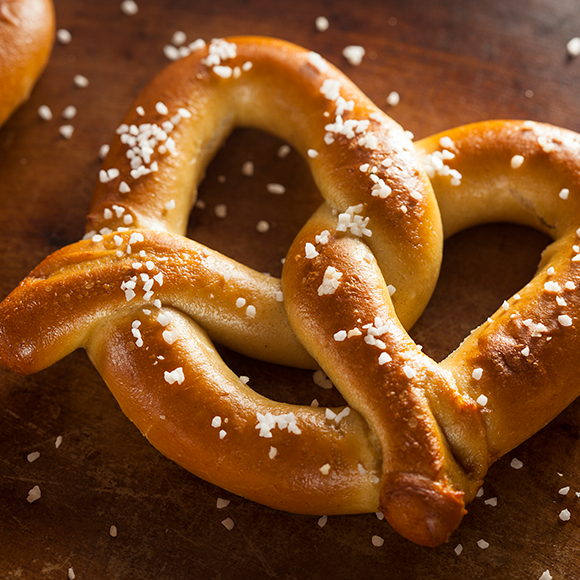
{"points": [[26, 37], [417, 437]]}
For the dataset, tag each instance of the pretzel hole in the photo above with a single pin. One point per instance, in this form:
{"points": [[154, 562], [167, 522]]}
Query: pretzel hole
{"points": [[482, 267], [248, 202]]}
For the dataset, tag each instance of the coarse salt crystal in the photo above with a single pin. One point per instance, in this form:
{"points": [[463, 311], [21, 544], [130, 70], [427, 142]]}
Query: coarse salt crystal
{"points": [[262, 227], [222, 503], [113, 531], [483, 544], [310, 251], [221, 210], [272, 453], [565, 515], [66, 131], [393, 99], [129, 7], [477, 374], [81, 81], [275, 188], [516, 161], [321, 23], [573, 47], [564, 193], [353, 54], [325, 469], [174, 376], [44, 112], [228, 524], [33, 456], [482, 400], [377, 541], [34, 494], [565, 320], [409, 372], [248, 168], [340, 335], [322, 521], [516, 463]]}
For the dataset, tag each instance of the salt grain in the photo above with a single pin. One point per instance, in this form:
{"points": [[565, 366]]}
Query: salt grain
{"points": [[565, 515], [322, 24], [516, 161], [377, 541], [129, 7], [353, 54], [34, 494], [393, 99], [516, 463], [228, 524], [63, 36], [44, 112]]}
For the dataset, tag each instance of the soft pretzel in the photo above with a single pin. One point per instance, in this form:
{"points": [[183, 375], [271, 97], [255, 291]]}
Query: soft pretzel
{"points": [[417, 437], [26, 37]]}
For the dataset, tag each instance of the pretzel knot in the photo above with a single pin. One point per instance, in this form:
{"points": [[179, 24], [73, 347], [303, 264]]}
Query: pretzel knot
{"points": [[145, 302]]}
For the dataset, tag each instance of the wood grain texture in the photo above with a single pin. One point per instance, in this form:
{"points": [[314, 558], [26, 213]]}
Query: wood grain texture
{"points": [[452, 62]]}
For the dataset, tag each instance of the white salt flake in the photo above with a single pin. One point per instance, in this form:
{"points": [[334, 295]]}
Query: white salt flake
{"points": [[393, 99], [33, 456], [482, 400], [573, 47], [516, 161], [222, 503], [174, 376], [516, 463], [330, 282], [321, 23], [113, 531], [377, 541], [354, 54], [34, 494], [483, 544], [564, 515], [228, 524], [477, 374]]}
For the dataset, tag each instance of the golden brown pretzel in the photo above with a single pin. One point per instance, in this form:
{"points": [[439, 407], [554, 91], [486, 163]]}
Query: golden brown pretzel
{"points": [[126, 295], [26, 37], [420, 436]]}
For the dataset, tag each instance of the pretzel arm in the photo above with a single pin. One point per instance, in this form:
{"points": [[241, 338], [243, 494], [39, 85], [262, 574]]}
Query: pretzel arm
{"points": [[280, 467], [526, 349], [89, 281]]}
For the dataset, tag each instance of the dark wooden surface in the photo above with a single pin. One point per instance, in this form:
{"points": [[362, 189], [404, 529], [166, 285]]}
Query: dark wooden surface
{"points": [[452, 62]]}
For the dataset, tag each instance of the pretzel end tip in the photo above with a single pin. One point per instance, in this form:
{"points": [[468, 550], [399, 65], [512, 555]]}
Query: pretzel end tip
{"points": [[421, 510]]}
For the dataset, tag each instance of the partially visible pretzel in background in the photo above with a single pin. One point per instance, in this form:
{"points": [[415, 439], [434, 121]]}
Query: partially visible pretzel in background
{"points": [[417, 437], [26, 37]]}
